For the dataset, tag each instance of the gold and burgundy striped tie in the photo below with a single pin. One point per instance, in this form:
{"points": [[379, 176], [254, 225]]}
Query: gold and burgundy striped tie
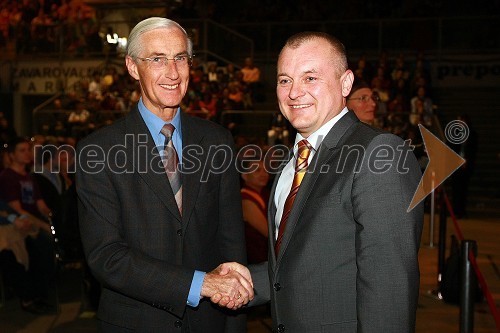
{"points": [[304, 149], [171, 162]]}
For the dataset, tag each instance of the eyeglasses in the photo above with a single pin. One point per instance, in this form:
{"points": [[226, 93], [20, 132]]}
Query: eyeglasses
{"points": [[160, 61], [366, 98]]}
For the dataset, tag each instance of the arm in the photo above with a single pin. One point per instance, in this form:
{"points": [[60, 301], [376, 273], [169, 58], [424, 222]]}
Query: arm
{"points": [[253, 215], [16, 205], [387, 243], [43, 208], [116, 263]]}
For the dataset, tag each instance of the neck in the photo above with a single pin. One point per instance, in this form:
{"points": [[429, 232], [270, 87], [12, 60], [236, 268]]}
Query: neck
{"points": [[166, 113], [255, 188], [19, 168]]}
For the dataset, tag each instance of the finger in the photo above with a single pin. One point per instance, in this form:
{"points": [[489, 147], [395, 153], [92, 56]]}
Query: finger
{"points": [[244, 298], [216, 298], [224, 301], [241, 270], [231, 304], [246, 289]]}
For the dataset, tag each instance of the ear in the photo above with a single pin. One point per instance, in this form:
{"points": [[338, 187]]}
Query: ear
{"points": [[347, 80], [131, 67]]}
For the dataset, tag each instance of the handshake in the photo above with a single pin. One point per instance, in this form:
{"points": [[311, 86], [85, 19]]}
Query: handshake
{"points": [[229, 285]]}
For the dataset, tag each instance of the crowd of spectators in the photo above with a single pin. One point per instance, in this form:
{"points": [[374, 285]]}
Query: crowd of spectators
{"points": [[404, 91], [72, 26], [403, 87], [49, 26], [301, 10], [107, 95]]}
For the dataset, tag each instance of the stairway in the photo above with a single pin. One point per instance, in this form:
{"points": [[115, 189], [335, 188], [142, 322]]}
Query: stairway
{"points": [[483, 107]]}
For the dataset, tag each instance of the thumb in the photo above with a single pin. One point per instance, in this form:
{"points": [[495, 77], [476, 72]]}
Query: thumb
{"points": [[224, 269]]}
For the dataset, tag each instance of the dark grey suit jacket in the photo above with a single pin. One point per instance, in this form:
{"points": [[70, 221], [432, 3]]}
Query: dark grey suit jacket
{"points": [[136, 242], [348, 261]]}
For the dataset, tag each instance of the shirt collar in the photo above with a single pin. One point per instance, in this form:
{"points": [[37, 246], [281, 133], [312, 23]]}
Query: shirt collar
{"points": [[155, 123], [317, 137]]}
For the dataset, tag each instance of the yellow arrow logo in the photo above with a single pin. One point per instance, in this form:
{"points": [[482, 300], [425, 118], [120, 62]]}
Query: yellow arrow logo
{"points": [[443, 161]]}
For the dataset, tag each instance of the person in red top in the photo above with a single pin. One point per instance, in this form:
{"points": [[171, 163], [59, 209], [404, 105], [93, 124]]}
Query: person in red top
{"points": [[19, 189], [20, 192], [254, 195]]}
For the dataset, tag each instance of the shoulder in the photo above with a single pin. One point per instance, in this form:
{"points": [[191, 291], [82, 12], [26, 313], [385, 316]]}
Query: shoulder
{"points": [[7, 174], [367, 136], [105, 136], [207, 127]]}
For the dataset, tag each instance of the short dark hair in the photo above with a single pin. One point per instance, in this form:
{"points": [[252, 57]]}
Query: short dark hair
{"points": [[298, 39], [12, 144]]}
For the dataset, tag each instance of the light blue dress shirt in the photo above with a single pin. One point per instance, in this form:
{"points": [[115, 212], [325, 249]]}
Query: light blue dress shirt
{"points": [[155, 124]]}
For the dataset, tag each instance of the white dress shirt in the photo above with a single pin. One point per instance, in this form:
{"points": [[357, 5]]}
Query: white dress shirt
{"points": [[286, 178]]}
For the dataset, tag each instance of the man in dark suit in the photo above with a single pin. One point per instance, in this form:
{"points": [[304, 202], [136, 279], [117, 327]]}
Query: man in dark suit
{"points": [[344, 257], [151, 234]]}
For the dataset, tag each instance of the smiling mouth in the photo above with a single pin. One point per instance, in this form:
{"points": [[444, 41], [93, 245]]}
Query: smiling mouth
{"points": [[300, 106], [169, 86]]}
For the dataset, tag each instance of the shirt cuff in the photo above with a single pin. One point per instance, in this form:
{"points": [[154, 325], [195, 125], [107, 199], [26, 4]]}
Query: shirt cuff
{"points": [[195, 290], [12, 218]]}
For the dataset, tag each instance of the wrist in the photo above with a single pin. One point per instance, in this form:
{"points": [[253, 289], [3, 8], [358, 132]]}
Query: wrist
{"points": [[12, 217]]}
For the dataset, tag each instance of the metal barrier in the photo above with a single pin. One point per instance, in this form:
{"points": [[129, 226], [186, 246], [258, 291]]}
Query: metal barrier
{"points": [[467, 287], [55, 122], [250, 123]]}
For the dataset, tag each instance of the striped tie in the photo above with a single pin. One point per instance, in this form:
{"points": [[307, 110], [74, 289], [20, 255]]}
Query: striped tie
{"points": [[304, 149], [170, 162]]}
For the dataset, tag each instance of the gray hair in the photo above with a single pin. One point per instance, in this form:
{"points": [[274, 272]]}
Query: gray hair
{"points": [[152, 23]]}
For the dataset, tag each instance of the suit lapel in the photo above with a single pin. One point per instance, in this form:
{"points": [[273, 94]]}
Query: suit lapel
{"points": [[271, 216], [149, 167], [191, 137], [319, 164]]}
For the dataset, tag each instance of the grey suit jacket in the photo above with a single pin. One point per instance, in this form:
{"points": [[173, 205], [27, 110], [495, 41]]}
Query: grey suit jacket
{"points": [[137, 243], [349, 257]]}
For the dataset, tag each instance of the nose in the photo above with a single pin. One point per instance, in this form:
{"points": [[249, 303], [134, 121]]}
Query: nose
{"points": [[170, 69], [296, 90]]}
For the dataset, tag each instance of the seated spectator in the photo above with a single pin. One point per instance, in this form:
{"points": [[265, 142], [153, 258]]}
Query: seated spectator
{"points": [[212, 73], [236, 96], [95, 85], [254, 194], [251, 78], [79, 121], [56, 187], [26, 258], [7, 132], [422, 106], [19, 189], [362, 101], [279, 132], [209, 105]]}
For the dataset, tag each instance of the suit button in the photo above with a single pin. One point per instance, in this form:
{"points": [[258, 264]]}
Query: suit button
{"points": [[281, 328], [277, 286], [178, 324], [179, 232]]}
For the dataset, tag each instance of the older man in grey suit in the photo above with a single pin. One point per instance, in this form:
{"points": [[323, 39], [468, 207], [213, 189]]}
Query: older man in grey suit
{"points": [[344, 256], [151, 229]]}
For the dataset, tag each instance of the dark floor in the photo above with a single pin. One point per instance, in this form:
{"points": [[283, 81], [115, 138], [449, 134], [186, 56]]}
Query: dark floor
{"points": [[433, 314]]}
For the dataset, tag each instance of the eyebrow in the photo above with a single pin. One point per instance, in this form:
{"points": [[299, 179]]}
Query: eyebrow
{"points": [[162, 54], [309, 71]]}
